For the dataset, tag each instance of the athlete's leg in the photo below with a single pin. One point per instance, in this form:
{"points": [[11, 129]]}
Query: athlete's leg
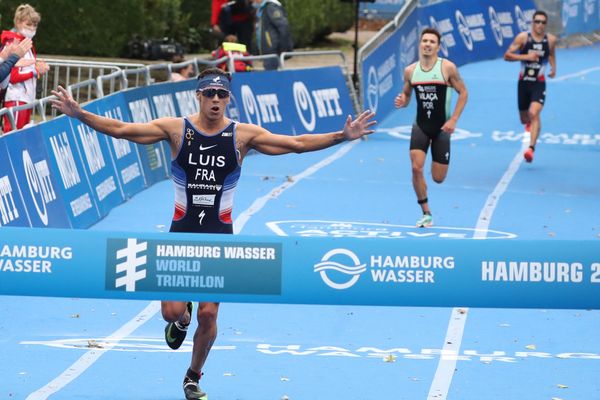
{"points": [[205, 335], [175, 311], [439, 171], [417, 159], [535, 109], [524, 116]]}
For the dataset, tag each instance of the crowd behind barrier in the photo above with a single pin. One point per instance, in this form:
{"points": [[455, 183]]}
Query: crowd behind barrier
{"points": [[471, 31], [62, 174]]}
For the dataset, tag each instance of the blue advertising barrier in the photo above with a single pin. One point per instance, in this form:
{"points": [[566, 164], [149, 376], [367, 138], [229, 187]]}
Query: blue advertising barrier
{"points": [[301, 101], [471, 31], [65, 163], [97, 161], [38, 183], [12, 208], [298, 270], [124, 153], [152, 156]]}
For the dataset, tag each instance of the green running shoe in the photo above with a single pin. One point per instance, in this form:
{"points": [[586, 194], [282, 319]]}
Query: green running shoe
{"points": [[175, 332], [425, 221]]}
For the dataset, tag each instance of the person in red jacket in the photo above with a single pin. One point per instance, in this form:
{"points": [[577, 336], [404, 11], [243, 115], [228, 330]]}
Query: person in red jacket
{"points": [[234, 17], [22, 83]]}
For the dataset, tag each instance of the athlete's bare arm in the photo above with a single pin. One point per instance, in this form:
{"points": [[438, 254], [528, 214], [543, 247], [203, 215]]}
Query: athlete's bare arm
{"points": [[403, 98], [255, 137], [455, 80], [512, 53], [552, 55], [143, 133]]}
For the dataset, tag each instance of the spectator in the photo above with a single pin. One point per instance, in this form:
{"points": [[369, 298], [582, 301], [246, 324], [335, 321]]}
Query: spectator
{"points": [[10, 55], [22, 83], [233, 18], [182, 73], [230, 48], [273, 35]]}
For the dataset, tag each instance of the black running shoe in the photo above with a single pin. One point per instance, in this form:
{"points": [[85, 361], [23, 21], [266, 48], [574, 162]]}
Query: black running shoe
{"points": [[192, 390], [175, 332]]}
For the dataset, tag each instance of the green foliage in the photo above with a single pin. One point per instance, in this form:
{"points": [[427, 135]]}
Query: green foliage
{"points": [[103, 28]]}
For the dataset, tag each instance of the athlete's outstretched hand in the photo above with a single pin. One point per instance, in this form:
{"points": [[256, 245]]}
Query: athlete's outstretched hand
{"points": [[65, 103], [360, 126]]}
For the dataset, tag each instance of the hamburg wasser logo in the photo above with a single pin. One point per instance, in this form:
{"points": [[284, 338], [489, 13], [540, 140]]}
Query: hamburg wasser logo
{"points": [[129, 259], [335, 262]]}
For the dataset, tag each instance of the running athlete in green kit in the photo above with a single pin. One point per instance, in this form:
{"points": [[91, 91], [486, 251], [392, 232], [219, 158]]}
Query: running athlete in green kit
{"points": [[432, 79]]}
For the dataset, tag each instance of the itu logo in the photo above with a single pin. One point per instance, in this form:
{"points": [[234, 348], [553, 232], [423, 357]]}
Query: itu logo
{"points": [[304, 106], [350, 273], [133, 258]]}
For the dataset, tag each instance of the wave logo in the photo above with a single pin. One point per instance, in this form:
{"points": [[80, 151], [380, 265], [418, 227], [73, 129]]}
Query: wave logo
{"points": [[304, 106], [250, 105], [433, 23], [329, 264], [465, 31], [496, 26], [521, 19], [373, 89]]}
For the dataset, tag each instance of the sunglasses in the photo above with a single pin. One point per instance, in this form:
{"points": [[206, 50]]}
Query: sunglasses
{"points": [[210, 93], [539, 21]]}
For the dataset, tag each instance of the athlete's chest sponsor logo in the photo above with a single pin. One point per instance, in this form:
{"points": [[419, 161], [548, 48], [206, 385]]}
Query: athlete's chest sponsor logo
{"points": [[203, 199]]}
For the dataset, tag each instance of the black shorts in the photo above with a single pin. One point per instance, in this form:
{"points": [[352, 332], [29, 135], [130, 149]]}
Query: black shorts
{"points": [[530, 92], [440, 144]]}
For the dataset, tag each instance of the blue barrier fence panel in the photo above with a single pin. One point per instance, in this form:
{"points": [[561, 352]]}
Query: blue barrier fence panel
{"points": [[38, 183], [124, 154], [12, 208], [65, 163]]}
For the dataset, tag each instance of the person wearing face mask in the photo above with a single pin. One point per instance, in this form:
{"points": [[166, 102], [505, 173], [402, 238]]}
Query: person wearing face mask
{"points": [[23, 77]]}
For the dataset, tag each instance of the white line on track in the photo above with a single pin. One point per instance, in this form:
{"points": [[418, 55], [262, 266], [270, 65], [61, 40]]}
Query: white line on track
{"points": [[86, 361], [446, 366], [576, 74]]}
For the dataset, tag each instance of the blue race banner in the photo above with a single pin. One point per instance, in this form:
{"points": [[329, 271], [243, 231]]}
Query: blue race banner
{"points": [[65, 163], [381, 9], [97, 161], [124, 153], [152, 156], [185, 97], [303, 101], [37, 181], [12, 208], [299, 270]]}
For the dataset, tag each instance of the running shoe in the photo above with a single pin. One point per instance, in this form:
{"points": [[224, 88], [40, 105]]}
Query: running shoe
{"points": [[528, 127], [192, 390], [528, 155], [175, 332], [425, 221]]}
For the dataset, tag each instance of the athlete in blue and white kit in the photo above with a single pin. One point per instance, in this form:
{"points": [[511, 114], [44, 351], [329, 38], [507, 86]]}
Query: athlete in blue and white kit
{"points": [[207, 151], [535, 50], [432, 79]]}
